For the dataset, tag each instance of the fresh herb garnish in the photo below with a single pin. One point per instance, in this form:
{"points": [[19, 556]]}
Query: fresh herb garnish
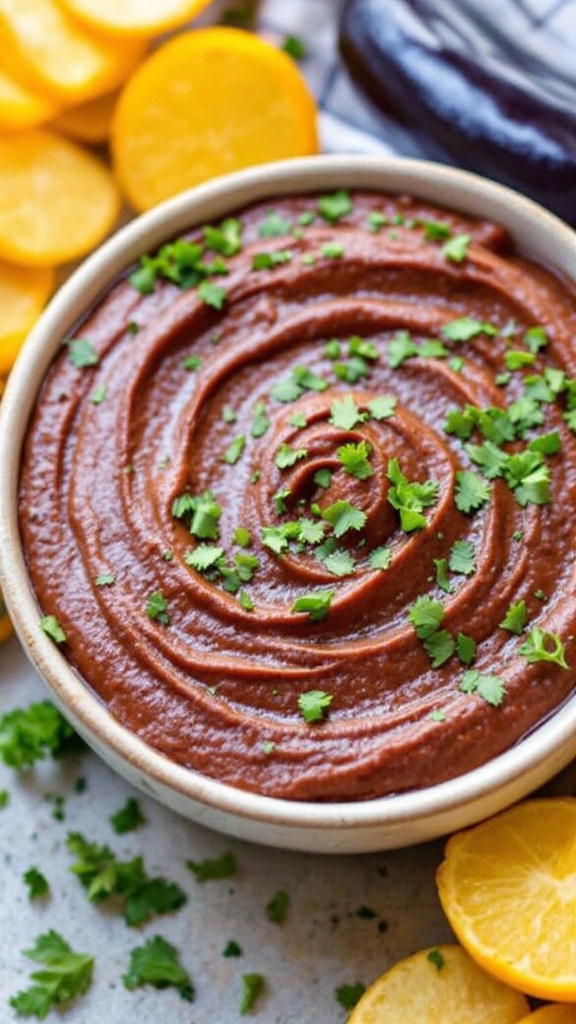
{"points": [[343, 516], [205, 514], [464, 328], [344, 413], [213, 869], [50, 625], [204, 556], [157, 608], [332, 250], [99, 394], [316, 604], [294, 47], [354, 457], [380, 558], [227, 239], [382, 407], [252, 987], [277, 907], [65, 975], [323, 478], [314, 704], [232, 949], [105, 579], [472, 492], [426, 614], [540, 645], [338, 562], [401, 348], [269, 260], [348, 995], [436, 958], [287, 456], [81, 353], [462, 557], [191, 363], [410, 498], [234, 450], [490, 687], [156, 963], [37, 883], [456, 248], [212, 295], [32, 733], [439, 647], [128, 818], [274, 226], [333, 207], [465, 648], [516, 618]]}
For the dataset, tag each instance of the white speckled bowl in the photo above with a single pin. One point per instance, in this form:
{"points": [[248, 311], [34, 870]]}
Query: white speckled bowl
{"points": [[323, 828]]}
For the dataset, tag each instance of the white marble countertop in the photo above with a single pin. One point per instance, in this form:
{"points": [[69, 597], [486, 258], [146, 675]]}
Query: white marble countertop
{"points": [[349, 917]]}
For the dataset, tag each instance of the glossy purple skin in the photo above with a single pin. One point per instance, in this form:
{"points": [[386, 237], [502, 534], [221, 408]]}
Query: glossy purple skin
{"points": [[451, 71]]}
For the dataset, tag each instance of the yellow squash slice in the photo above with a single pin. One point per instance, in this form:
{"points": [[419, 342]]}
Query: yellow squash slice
{"points": [[24, 292], [136, 17]]}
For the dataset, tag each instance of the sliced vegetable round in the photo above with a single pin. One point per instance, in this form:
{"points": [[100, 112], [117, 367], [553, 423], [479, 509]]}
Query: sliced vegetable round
{"points": [[23, 294], [135, 17]]}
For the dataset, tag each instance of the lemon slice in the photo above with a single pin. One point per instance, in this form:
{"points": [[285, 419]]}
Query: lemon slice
{"points": [[45, 49], [205, 103], [57, 201], [136, 17], [24, 292], [508, 888], [441, 985]]}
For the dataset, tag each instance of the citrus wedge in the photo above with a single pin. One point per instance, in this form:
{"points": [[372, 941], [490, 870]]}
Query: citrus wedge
{"points": [[135, 17], [57, 201], [508, 888], [441, 985], [24, 292], [45, 49], [205, 103], [554, 1013], [21, 108], [91, 122]]}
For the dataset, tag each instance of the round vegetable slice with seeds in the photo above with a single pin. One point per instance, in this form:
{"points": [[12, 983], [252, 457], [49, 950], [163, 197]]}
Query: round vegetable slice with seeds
{"points": [[194, 110]]}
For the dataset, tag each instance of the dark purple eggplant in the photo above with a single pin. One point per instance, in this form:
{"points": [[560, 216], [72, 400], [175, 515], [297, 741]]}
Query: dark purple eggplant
{"points": [[466, 76]]}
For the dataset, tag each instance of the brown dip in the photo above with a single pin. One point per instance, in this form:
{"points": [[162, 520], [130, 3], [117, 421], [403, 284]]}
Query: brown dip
{"points": [[208, 664]]}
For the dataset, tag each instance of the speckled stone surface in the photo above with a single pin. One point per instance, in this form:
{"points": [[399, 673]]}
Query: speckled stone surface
{"points": [[349, 917]]}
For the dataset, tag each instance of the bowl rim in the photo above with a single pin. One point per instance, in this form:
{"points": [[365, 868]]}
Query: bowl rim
{"points": [[551, 743]]}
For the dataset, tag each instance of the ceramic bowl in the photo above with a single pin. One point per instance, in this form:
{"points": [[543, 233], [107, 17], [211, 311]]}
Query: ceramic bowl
{"points": [[379, 824]]}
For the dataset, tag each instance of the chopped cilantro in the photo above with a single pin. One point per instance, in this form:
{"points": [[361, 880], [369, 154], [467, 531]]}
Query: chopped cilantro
{"points": [[307, 380], [462, 557], [516, 618], [376, 221], [274, 226], [516, 359], [306, 218], [460, 422], [348, 995], [245, 601], [339, 562], [316, 603], [314, 704], [464, 328], [106, 579], [456, 248], [426, 614], [439, 647], [232, 949], [465, 648], [191, 363], [234, 450], [355, 459], [156, 963], [37, 883], [260, 421], [535, 338], [252, 987], [81, 353], [541, 645], [358, 346], [143, 279], [491, 459], [212, 295], [298, 419], [332, 250], [128, 818], [333, 349], [436, 958], [286, 390], [344, 413], [333, 207], [472, 492], [277, 907], [268, 747], [343, 516], [310, 530], [269, 260], [382, 407], [410, 498], [227, 239], [547, 444], [380, 558], [102, 875], [401, 347], [157, 608], [65, 975], [352, 370], [4, 799], [435, 230], [287, 456], [213, 869], [205, 514], [442, 579], [242, 537], [99, 394], [294, 47], [438, 715], [490, 687], [228, 414], [49, 624], [32, 733]]}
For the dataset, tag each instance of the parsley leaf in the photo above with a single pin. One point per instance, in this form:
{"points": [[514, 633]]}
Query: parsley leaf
{"points": [[491, 459], [354, 458], [205, 511], [323, 478], [343, 516], [313, 705], [252, 987], [410, 498], [516, 618], [464, 328], [349, 995], [456, 248], [316, 603], [472, 492], [227, 239], [269, 260], [65, 976], [274, 225], [380, 558], [213, 869], [212, 294], [465, 648], [310, 530], [541, 645], [401, 347], [30, 734], [81, 353], [339, 562], [260, 421], [128, 818], [234, 450], [333, 207], [382, 407], [426, 614], [156, 963], [462, 557], [49, 624], [204, 556], [490, 687], [439, 647], [344, 413], [277, 907], [287, 456], [157, 608], [36, 882]]}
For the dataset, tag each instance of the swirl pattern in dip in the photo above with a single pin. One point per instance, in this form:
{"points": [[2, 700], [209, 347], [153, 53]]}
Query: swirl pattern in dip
{"points": [[300, 496]]}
